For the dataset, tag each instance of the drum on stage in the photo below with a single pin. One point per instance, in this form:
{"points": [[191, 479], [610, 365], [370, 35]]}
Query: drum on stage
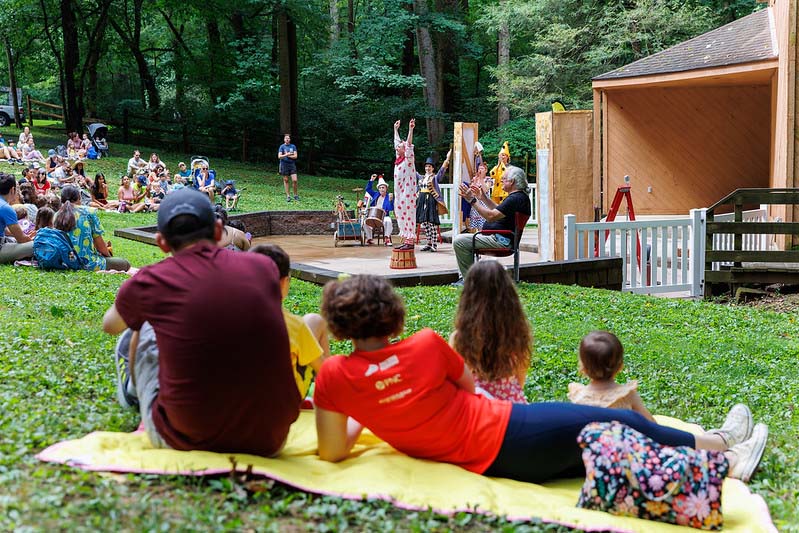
{"points": [[374, 217]]}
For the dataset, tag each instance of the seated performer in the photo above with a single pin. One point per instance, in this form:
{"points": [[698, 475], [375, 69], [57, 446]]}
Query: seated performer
{"points": [[498, 217], [385, 201]]}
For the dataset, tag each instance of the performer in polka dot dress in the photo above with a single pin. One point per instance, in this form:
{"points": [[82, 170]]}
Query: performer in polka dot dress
{"points": [[405, 186]]}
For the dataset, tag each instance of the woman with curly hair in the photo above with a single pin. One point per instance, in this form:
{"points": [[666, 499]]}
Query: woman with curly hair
{"points": [[492, 333], [418, 396]]}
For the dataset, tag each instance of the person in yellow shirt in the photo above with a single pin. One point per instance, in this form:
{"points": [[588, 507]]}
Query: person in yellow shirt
{"points": [[497, 194], [308, 338]]}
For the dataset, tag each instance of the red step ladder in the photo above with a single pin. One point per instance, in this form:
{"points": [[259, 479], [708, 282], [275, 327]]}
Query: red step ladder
{"points": [[622, 192]]}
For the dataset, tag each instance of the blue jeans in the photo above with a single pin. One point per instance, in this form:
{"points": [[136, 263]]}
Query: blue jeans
{"points": [[540, 442]]}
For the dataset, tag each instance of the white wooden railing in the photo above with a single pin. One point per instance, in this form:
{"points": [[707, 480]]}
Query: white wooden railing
{"points": [[450, 195], [658, 256]]}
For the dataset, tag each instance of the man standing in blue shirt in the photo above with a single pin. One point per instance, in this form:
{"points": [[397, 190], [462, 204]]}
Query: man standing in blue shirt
{"points": [[287, 155], [23, 247]]}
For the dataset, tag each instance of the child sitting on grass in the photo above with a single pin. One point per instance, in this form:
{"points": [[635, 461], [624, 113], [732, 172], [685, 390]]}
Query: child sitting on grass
{"points": [[601, 358], [44, 218], [25, 224], [308, 340], [492, 333]]}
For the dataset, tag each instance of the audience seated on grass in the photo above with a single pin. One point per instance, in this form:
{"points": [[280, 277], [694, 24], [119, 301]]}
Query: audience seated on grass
{"points": [[601, 358], [44, 218], [40, 182], [226, 388], [25, 224], [492, 333], [84, 228], [135, 164], [14, 244], [308, 339], [232, 238], [424, 383], [99, 194]]}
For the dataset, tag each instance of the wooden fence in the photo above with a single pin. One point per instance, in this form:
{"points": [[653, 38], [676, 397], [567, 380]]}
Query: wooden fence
{"points": [[46, 110], [246, 143]]}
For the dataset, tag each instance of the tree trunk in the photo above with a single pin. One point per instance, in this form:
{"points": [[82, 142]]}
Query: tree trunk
{"points": [[56, 53], [408, 53], [503, 58], [180, 77], [73, 112], [12, 77], [287, 37], [335, 34], [153, 100], [351, 29], [427, 68], [150, 97], [447, 59], [87, 86], [215, 55], [275, 40]]}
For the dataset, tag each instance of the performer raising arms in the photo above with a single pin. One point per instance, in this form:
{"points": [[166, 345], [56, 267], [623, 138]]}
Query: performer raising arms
{"points": [[405, 186]]}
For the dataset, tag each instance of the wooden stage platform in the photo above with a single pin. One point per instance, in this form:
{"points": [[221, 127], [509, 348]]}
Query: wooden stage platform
{"points": [[315, 259]]}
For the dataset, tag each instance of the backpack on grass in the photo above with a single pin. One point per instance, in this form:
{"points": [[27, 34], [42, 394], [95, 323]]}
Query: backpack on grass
{"points": [[53, 250]]}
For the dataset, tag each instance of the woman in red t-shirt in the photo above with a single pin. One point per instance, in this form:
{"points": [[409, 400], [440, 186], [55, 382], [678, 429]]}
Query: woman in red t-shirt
{"points": [[418, 396], [41, 183]]}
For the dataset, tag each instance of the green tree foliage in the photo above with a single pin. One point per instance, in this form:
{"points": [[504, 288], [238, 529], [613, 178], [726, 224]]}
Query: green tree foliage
{"points": [[214, 64], [558, 46]]}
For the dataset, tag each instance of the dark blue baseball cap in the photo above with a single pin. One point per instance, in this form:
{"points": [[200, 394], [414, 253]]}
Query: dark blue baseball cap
{"points": [[185, 202]]}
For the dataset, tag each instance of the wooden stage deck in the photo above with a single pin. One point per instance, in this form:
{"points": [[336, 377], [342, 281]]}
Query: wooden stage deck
{"points": [[315, 259]]}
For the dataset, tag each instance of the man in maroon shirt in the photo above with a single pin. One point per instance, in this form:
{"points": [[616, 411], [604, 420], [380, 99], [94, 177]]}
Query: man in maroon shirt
{"points": [[197, 386]]}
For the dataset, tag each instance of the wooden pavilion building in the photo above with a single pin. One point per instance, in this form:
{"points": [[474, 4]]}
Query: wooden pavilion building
{"points": [[694, 122]]}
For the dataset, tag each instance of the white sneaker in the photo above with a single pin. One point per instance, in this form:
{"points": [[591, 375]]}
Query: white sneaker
{"points": [[749, 453], [737, 426]]}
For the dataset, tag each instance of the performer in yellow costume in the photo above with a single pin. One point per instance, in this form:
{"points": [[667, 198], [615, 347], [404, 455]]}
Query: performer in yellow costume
{"points": [[497, 194]]}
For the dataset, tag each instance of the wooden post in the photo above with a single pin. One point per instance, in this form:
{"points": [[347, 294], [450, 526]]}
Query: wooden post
{"points": [[125, 126], [30, 110], [738, 238]]}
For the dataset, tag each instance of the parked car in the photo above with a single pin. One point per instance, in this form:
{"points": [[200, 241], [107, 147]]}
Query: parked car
{"points": [[7, 115]]}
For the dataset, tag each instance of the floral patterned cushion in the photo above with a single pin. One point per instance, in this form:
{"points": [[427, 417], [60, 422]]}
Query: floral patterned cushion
{"points": [[628, 474]]}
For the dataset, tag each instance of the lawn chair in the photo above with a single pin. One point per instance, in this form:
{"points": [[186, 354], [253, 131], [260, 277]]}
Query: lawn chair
{"points": [[515, 239]]}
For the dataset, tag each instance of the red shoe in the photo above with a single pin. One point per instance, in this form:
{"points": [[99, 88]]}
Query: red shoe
{"points": [[370, 242]]}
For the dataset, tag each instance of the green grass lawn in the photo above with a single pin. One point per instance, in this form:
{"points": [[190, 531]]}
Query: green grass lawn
{"points": [[693, 360]]}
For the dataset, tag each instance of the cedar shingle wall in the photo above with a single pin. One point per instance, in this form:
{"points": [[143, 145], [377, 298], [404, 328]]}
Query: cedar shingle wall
{"points": [[691, 145]]}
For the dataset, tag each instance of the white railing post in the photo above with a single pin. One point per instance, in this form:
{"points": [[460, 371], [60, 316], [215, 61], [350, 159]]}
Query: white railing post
{"points": [[696, 254], [570, 237]]}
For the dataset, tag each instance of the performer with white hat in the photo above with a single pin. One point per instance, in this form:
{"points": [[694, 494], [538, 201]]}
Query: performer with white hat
{"points": [[385, 201]]}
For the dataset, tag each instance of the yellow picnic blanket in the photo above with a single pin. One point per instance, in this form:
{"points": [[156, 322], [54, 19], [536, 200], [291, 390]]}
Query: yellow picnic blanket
{"points": [[376, 470]]}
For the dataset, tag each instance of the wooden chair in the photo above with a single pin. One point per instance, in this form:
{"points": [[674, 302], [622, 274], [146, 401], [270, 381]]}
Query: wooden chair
{"points": [[515, 237]]}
